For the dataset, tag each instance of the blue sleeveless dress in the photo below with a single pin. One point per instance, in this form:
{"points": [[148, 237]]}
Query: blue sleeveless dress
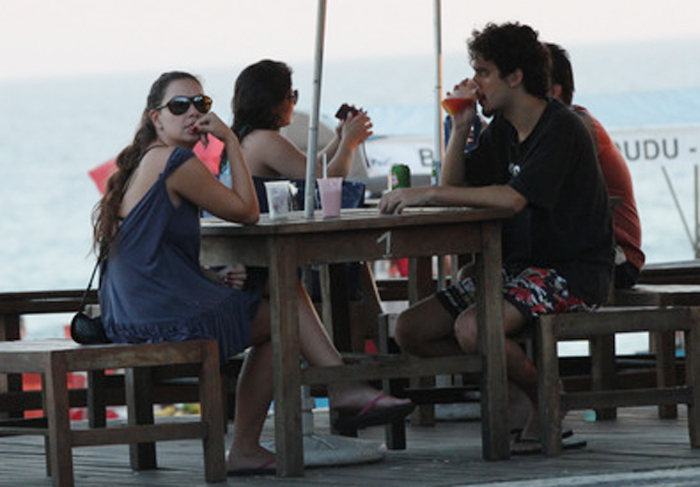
{"points": [[152, 288]]}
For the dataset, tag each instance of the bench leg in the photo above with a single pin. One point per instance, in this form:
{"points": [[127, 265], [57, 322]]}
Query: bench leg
{"points": [[603, 373], [666, 368], [96, 400], [139, 401], [394, 432], [549, 392], [10, 330], [57, 406], [212, 415], [692, 362]]}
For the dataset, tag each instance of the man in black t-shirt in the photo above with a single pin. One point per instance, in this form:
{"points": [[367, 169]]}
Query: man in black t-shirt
{"points": [[537, 158]]}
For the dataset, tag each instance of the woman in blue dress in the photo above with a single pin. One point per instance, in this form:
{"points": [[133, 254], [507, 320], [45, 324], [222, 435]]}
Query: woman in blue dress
{"points": [[152, 288]]}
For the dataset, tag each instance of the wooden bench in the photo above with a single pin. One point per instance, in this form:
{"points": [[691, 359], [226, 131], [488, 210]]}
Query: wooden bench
{"points": [[103, 390], [13, 306], [681, 272], [54, 359], [662, 343], [603, 325]]}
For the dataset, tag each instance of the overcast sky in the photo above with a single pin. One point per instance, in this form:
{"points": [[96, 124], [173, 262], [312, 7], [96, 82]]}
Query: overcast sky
{"points": [[49, 37]]}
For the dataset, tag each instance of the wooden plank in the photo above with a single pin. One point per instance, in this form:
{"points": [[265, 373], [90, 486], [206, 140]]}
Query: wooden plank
{"points": [[145, 433], [408, 367], [626, 398], [638, 449], [580, 326]]}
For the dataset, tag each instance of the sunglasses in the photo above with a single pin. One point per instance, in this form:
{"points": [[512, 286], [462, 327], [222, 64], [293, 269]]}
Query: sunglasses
{"points": [[180, 104], [293, 96]]}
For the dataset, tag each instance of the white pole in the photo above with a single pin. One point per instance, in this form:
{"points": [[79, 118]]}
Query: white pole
{"points": [[696, 244], [439, 126], [315, 109]]}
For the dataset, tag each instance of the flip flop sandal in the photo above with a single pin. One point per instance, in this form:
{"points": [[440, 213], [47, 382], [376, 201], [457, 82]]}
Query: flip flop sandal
{"points": [[352, 419]]}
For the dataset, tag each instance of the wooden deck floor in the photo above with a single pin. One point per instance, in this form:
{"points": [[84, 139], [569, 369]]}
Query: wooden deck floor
{"points": [[635, 450]]}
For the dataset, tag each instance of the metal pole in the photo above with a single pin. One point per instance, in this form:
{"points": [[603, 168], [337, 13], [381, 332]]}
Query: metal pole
{"points": [[315, 109], [696, 244], [439, 126]]}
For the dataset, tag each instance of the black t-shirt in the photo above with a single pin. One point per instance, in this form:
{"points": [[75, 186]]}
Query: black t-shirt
{"points": [[566, 224]]}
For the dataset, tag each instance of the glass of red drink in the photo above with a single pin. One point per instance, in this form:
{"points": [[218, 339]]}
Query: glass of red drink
{"points": [[454, 105]]}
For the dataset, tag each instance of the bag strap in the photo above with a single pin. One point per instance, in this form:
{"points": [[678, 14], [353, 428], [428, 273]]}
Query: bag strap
{"points": [[87, 290]]}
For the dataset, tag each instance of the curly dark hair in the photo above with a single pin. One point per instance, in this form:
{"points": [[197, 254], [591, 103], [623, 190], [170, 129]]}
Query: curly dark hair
{"points": [[513, 46], [562, 73], [105, 217], [259, 89]]}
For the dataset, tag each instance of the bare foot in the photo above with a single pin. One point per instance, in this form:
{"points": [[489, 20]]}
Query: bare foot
{"points": [[255, 459], [357, 397]]}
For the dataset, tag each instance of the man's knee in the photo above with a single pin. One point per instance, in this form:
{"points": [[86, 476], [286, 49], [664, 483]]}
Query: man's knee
{"points": [[466, 332], [406, 335]]}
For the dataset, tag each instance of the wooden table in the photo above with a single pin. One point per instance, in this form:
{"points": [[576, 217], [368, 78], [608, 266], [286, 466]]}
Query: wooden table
{"points": [[365, 235]]}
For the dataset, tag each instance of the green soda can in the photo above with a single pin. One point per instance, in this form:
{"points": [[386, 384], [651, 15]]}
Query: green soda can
{"points": [[400, 176]]}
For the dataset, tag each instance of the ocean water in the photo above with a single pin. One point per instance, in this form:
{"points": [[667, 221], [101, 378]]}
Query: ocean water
{"points": [[54, 130]]}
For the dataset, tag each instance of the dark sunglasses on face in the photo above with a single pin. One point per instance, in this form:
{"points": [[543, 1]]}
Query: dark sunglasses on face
{"points": [[180, 104], [293, 96]]}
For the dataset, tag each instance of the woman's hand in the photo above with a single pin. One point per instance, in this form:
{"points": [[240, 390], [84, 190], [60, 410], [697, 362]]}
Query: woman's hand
{"points": [[356, 128], [210, 123], [233, 276]]}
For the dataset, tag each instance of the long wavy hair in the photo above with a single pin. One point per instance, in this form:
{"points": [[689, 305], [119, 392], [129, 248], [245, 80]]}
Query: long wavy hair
{"points": [[259, 90], [513, 46], [105, 217]]}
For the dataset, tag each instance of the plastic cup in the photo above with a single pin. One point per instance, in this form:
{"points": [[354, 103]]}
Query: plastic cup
{"points": [[454, 105], [330, 190], [279, 198]]}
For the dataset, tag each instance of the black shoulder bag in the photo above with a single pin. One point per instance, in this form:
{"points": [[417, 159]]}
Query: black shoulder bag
{"points": [[84, 329]]}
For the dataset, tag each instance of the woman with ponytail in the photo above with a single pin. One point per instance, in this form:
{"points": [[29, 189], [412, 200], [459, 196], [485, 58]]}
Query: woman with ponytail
{"points": [[152, 289]]}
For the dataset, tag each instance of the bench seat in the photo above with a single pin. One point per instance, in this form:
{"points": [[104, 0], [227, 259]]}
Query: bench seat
{"points": [[54, 359]]}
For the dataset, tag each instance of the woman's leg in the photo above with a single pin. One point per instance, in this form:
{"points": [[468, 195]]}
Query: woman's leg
{"points": [[318, 349], [254, 391], [255, 385], [253, 396]]}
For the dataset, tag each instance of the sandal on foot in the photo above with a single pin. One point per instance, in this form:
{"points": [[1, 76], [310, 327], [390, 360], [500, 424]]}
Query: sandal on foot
{"points": [[371, 415], [266, 468]]}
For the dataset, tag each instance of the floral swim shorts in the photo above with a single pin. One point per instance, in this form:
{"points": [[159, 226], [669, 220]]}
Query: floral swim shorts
{"points": [[534, 291]]}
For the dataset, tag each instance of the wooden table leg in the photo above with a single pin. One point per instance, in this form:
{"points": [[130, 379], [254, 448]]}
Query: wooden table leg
{"points": [[420, 285], [494, 393], [285, 357]]}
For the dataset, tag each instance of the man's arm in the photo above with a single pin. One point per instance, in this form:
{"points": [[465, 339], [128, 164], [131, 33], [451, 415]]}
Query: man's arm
{"points": [[453, 170], [494, 196]]}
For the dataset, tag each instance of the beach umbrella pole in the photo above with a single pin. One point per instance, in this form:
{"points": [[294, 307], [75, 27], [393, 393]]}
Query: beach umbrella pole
{"points": [[312, 150], [439, 126]]}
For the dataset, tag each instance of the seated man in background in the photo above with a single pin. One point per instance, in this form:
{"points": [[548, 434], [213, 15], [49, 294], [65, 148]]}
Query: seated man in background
{"points": [[536, 158], [629, 257]]}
